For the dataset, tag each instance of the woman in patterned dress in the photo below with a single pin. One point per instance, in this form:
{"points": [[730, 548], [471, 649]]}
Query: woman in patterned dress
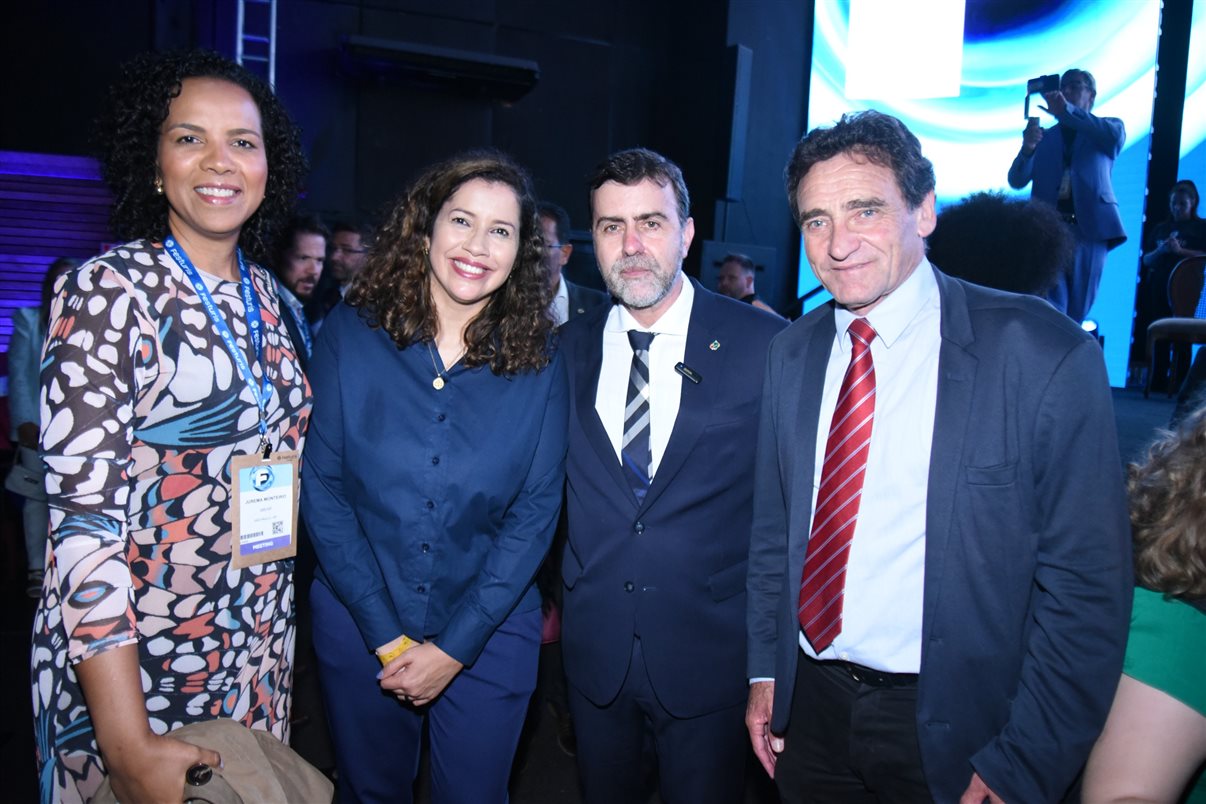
{"points": [[143, 626]]}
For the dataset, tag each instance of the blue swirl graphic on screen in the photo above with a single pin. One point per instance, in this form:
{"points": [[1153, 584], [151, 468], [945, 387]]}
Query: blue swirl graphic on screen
{"points": [[1193, 124], [972, 137]]}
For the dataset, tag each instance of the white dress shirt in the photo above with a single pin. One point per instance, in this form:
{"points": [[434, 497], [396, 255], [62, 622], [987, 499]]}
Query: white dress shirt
{"points": [[559, 307], [665, 384], [885, 572]]}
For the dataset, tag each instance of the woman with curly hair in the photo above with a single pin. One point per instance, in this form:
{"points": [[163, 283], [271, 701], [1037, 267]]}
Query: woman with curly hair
{"points": [[166, 361], [1155, 737], [432, 485]]}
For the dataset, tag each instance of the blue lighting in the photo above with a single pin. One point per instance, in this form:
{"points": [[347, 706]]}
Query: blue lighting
{"points": [[973, 136]]}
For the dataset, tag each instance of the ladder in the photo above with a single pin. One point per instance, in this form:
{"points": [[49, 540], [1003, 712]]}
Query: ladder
{"points": [[255, 37]]}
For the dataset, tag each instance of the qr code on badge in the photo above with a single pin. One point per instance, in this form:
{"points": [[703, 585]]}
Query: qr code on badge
{"points": [[278, 528]]}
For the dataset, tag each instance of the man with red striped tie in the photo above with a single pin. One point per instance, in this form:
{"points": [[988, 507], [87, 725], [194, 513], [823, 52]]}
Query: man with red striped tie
{"points": [[939, 577]]}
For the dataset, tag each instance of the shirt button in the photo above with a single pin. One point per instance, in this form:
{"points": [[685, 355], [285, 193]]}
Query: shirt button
{"points": [[426, 547], [441, 417], [628, 587], [435, 461], [430, 504], [638, 528]]}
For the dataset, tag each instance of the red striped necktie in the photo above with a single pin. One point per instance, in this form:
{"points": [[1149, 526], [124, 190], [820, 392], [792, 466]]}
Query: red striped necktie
{"points": [[833, 521]]}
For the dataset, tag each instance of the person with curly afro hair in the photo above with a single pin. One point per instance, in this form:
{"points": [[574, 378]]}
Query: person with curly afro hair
{"points": [[165, 359], [432, 485], [1003, 243]]}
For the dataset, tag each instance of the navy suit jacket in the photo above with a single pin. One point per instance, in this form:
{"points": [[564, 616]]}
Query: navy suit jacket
{"points": [[583, 299], [1098, 142], [671, 570], [1027, 566]]}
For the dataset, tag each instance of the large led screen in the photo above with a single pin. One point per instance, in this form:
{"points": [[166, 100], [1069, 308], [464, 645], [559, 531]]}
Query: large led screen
{"points": [[956, 74], [1193, 123]]}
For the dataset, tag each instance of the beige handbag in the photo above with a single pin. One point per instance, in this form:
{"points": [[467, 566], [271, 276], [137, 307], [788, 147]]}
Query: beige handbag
{"points": [[257, 769]]}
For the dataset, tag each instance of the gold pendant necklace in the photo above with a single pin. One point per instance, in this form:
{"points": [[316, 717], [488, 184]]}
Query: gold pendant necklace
{"points": [[440, 379]]}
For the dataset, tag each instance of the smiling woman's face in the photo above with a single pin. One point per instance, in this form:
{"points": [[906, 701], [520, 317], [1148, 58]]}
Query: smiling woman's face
{"points": [[473, 245], [212, 160]]}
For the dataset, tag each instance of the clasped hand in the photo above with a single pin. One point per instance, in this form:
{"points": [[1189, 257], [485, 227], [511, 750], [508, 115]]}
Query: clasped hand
{"points": [[420, 674], [154, 770]]}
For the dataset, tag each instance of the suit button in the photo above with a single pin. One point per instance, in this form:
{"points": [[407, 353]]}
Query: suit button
{"points": [[441, 417], [628, 587], [430, 505], [638, 528], [435, 461], [425, 547], [421, 589]]}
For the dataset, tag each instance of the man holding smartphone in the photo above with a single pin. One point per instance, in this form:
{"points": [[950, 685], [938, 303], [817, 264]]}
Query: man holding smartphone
{"points": [[1071, 164]]}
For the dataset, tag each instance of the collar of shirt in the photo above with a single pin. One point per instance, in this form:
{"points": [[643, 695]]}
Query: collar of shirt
{"points": [[559, 307], [896, 311], [673, 322], [288, 298]]}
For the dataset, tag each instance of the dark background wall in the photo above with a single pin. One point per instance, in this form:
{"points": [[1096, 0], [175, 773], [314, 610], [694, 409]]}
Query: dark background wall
{"points": [[612, 75]]}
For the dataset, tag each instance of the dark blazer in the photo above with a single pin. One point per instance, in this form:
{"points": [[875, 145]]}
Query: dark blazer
{"points": [[1098, 142], [673, 569], [583, 299], [1027, 563]]}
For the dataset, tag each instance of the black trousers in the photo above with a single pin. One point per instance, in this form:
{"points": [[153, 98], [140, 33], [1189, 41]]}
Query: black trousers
{"points": [[850, 741]]}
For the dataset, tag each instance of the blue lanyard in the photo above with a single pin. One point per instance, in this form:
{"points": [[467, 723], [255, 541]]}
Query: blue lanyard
{"points": [[303, 327], [255, 325]]}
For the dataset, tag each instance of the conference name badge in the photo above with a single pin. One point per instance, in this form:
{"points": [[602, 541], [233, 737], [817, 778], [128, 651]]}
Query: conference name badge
{"points": [[264, 516]]}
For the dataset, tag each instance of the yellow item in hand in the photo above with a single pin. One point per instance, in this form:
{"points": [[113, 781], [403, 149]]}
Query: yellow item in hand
{"points": [[405, 644]]}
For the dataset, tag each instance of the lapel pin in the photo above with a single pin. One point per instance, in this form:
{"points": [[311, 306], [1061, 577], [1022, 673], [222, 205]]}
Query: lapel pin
{"points": [[714, 345]]}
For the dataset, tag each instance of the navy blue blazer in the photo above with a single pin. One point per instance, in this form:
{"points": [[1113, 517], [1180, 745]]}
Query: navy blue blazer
{"points": [[673, 568], [1098, 142], [583, 299], [1028, 555]]}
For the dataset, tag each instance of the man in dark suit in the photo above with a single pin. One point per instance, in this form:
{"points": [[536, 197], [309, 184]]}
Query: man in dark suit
{"points": [[1071, 164], [301, 252], [569, 300], [665, 389], [950, 626]]}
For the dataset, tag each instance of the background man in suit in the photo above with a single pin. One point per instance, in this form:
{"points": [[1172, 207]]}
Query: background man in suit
{"points": [[349, 242], [950, 625], [569, 300], [736, 280], [300, 257], [1071, 165], [664, 400]]}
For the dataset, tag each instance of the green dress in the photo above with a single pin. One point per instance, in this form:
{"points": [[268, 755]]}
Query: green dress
{"points": [[1167, 650]]}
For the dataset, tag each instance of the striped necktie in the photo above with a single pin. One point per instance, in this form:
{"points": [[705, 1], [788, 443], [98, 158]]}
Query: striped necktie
{"points": [[833, 521], [637, 457]]}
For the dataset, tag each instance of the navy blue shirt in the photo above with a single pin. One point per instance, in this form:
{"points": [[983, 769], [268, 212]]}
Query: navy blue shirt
{"points": [[430, 510]]}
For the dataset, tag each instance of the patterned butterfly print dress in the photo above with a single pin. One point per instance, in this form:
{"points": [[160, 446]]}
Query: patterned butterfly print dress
{"points": [[142, 409]]}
